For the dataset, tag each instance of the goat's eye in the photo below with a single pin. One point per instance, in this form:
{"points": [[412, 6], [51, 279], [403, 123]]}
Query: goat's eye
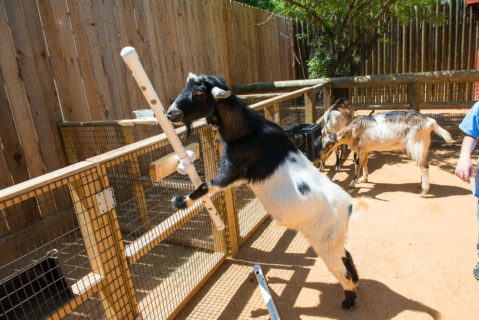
{"points": [[198, 93]]}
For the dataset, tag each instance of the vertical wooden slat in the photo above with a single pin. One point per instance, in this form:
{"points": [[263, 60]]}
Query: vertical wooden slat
{"points": [[309, 107], [110, 43], [100, 233], [79, 109], [32, 82], [89, 50], [156, 47], [135, 174], [19, 104], [209, 154], [10, 142], [46, 79], [83, 46]]}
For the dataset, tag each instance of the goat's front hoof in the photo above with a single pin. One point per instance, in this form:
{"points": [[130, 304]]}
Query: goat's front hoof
{"points": [[423, 193], [352, 184], [179, 202], [349, 302], [362, 179]]}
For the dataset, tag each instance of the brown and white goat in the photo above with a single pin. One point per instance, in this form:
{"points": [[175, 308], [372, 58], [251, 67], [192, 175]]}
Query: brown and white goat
{"points": [[338, 116], [395, 130]]}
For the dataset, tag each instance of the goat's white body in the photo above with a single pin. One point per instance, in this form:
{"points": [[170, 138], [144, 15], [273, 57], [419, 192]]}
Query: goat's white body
{"points": [[388, 132], [322, 207], [321, 214], [384, 135]]}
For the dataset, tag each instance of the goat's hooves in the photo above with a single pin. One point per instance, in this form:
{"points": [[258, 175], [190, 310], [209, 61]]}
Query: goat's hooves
{"points": [[352, 184], [423, 194], [178, 202], [349, 302]]}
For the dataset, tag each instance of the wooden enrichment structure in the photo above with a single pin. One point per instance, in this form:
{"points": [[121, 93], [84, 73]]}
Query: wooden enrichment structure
{"points": [[132, 60]]}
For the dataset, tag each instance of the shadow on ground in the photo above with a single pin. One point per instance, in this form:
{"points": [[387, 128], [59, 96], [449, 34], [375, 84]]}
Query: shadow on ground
{"points": [[375, 299]]}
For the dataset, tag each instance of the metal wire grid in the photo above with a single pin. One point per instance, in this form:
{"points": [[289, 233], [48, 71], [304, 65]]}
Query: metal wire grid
{"points": [[83, 140], [250, 212], [165, 275], [162, 278], [58, 262]]}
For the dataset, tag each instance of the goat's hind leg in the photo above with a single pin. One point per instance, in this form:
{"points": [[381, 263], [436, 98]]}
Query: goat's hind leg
{"points": [[424, 179], [340, 263]]}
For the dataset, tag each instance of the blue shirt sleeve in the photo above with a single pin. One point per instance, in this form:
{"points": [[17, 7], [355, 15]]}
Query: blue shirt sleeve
{"points": [[470, 123]]}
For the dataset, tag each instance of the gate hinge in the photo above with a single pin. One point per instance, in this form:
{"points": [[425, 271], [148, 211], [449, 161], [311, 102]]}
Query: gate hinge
{"points": [[105, 200]]}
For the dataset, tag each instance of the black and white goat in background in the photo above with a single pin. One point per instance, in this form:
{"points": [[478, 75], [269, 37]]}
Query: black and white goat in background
{"points": [[394, 130], [258, 152]]}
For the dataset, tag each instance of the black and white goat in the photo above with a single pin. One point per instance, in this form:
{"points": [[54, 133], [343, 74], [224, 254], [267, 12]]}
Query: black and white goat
{"points": [[338, 116], [258, 152], [394, 130]]}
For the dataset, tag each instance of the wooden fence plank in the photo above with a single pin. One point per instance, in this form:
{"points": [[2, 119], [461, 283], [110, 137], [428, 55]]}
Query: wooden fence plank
{"points": [[10, 142], [32, 82], [153, 47], [79, 109], [19, 104], [105, 16], [82, 49], [88, 46]]}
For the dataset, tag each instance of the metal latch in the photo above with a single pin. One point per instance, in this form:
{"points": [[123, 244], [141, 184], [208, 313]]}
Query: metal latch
{"points": [[105, 200]]}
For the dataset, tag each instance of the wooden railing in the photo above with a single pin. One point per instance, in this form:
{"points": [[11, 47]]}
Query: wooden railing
{"points": [[399, 91]]}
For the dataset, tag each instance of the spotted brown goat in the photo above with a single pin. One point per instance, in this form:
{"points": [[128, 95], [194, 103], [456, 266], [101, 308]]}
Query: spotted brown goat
{"points": [[394, 130], [339, 115]]}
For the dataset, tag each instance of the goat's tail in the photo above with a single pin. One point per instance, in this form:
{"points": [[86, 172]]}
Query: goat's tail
{"points": [[359, 205], [443, 133]]}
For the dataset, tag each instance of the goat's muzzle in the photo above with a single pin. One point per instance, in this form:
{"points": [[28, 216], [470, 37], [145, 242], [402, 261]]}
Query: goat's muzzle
{"points": [[174, 114]]}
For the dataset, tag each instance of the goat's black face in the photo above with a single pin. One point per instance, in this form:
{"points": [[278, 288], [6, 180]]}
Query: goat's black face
{"points": [[198, 99]]}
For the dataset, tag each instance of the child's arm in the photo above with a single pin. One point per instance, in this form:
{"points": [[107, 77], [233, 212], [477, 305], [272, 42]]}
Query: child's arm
{"points": [[464, 167]]}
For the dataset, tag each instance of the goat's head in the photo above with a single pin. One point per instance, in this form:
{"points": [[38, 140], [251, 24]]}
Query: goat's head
{"points": [[198, 99], [329, 142]]}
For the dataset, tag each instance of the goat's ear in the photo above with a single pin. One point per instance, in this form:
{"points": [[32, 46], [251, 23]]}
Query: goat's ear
{"points": [[192, 76], [219, 93]]}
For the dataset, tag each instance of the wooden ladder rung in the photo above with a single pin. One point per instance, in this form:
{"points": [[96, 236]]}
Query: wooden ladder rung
{"points": [[90, 281]]}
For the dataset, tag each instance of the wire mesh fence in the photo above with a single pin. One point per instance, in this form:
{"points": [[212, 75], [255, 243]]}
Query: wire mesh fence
{"points": [[99, 240], [66, 255]]}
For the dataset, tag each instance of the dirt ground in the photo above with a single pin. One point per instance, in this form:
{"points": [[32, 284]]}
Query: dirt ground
{"points": [[414, 255]]}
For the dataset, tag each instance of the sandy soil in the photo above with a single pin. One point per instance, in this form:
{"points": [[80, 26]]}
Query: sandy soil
{"points": [[414, 256]]}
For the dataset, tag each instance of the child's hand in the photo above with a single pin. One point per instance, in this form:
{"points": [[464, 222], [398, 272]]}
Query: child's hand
{"points": [[464, 169]]}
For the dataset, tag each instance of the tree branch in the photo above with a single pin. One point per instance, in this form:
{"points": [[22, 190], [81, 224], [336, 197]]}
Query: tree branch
{"points": [[373, 23], [312, 13]]}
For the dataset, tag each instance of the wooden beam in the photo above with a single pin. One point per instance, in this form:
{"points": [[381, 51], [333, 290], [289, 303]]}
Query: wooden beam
{"points": [[160, 232], [167, 165], [364, 81]]}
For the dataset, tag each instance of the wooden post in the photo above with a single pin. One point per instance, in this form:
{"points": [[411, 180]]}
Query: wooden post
{"points": [[209, 153], [271, 113], [413, 95], [309, 106], [326, 97], [138, 190], [104, 247]]}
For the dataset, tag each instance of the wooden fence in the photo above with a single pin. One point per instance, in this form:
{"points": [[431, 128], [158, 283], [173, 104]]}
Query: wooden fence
{"points": [[417, 47], [422, 47], [60, 61]]}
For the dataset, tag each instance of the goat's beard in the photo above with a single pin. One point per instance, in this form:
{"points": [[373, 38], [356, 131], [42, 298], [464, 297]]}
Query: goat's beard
{"points": [[186, 135]]}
